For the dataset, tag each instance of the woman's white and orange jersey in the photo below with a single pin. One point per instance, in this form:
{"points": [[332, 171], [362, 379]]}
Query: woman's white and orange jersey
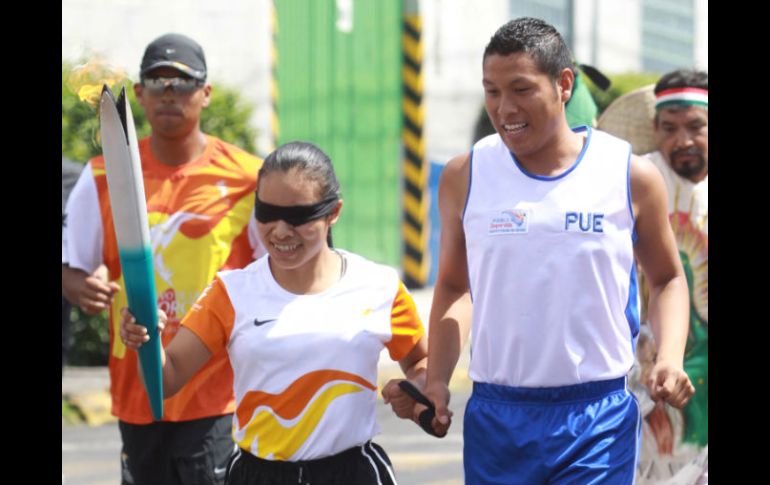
{"points": [[305, 366]]}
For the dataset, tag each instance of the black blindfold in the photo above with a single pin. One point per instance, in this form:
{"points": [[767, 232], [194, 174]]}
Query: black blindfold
{"points": [[296, 215]]}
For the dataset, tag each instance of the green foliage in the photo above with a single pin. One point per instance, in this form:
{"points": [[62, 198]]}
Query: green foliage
{"points": [[79, 124], [621, 84], [70, 414], [90, 339], [226, 117]]}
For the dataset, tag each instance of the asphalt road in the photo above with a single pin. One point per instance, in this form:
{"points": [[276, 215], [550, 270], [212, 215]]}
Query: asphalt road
{"points": [[90, 454]]}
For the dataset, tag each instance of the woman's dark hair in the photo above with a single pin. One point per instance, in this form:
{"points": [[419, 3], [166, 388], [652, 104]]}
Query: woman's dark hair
{"points": [[311, 162]]}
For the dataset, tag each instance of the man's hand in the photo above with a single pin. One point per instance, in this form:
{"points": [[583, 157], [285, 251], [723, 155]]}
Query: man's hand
{"points": [[438, 394], [670, 383], [92, 293]]}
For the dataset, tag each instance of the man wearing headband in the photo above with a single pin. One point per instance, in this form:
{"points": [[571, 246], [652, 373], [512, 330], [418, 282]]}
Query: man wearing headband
{"points": [[681, 126], [200, 195], [675, 443]]}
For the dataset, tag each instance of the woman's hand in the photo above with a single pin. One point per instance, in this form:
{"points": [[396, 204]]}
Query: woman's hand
{"points": [[134, 335]]}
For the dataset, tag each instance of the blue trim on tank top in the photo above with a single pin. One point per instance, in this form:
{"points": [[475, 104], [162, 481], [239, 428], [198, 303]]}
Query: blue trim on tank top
{"points": [[632, 307], [467, 199], [545, 178]]}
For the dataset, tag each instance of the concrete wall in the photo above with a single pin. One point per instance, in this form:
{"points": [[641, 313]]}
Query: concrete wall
{"points": [[235, 35], [455, 33], [702, 34], [619, 35]]}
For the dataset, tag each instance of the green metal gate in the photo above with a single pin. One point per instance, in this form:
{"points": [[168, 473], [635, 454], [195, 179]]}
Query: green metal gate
{"points": [[340, 88]]}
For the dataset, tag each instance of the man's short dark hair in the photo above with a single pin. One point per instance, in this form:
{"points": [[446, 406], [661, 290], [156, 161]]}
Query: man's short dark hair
{"points": [[538, 39], [683, 78]]}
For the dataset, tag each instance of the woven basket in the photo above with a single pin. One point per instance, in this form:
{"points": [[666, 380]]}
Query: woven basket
{"points": [[630, 117]]}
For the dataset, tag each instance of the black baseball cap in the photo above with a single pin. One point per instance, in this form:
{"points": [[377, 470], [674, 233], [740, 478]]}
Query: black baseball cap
{"points": [[177, 51]]}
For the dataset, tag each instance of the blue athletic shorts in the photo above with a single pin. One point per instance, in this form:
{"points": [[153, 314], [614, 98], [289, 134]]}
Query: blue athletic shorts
{"points": [[582, 434]]}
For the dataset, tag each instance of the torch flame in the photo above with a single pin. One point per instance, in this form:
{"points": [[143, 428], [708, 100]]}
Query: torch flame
{"points": [[86, 80]]}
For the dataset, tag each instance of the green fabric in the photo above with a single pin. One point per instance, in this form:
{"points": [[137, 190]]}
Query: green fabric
{"points": [[581, 108], [696, 360]]}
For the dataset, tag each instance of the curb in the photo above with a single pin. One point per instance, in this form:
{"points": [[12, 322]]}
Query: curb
{"points": [[88, 390], [95, 406]]}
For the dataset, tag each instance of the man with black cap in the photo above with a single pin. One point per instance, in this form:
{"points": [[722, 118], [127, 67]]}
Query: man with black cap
{"points": [[200, 198]]}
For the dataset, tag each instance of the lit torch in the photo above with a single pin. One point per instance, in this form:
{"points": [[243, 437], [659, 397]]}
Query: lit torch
{"points": [[86, 80], [92, 82]]}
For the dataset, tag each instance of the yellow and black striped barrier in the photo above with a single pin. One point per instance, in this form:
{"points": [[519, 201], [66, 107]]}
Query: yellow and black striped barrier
{"points": [[414, 226]]}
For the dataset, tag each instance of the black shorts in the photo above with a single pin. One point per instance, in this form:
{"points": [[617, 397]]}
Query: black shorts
{"points": [[177, 453], [361, 465]]}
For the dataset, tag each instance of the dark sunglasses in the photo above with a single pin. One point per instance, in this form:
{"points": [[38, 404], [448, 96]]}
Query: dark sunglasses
{"points": [[181, 85]]}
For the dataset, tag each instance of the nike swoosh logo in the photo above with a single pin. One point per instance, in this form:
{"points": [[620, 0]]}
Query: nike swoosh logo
{"points": [[259, 322], [219, 471]]}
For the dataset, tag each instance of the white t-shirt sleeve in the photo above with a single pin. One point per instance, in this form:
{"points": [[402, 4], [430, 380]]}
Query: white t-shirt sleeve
{"points": [[256, 244], [83, 234]]}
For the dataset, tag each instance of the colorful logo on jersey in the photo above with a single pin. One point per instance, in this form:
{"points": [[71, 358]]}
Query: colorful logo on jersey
{"points": [[167, 303], [515, 221], [281, 423]]}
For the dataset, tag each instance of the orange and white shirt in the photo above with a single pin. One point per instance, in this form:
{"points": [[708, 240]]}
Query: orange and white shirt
{"points": [[201, 218], [305, 366]]}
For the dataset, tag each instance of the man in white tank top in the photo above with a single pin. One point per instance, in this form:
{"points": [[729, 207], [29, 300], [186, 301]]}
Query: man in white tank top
{"points": [[540, 228]]}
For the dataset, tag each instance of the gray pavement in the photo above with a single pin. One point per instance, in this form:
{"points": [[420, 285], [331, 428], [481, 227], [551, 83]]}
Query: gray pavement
{"points": [[90, 452]]}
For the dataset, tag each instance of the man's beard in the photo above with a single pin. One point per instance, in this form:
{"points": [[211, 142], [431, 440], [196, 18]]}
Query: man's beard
{"points": [[688, 169]]}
